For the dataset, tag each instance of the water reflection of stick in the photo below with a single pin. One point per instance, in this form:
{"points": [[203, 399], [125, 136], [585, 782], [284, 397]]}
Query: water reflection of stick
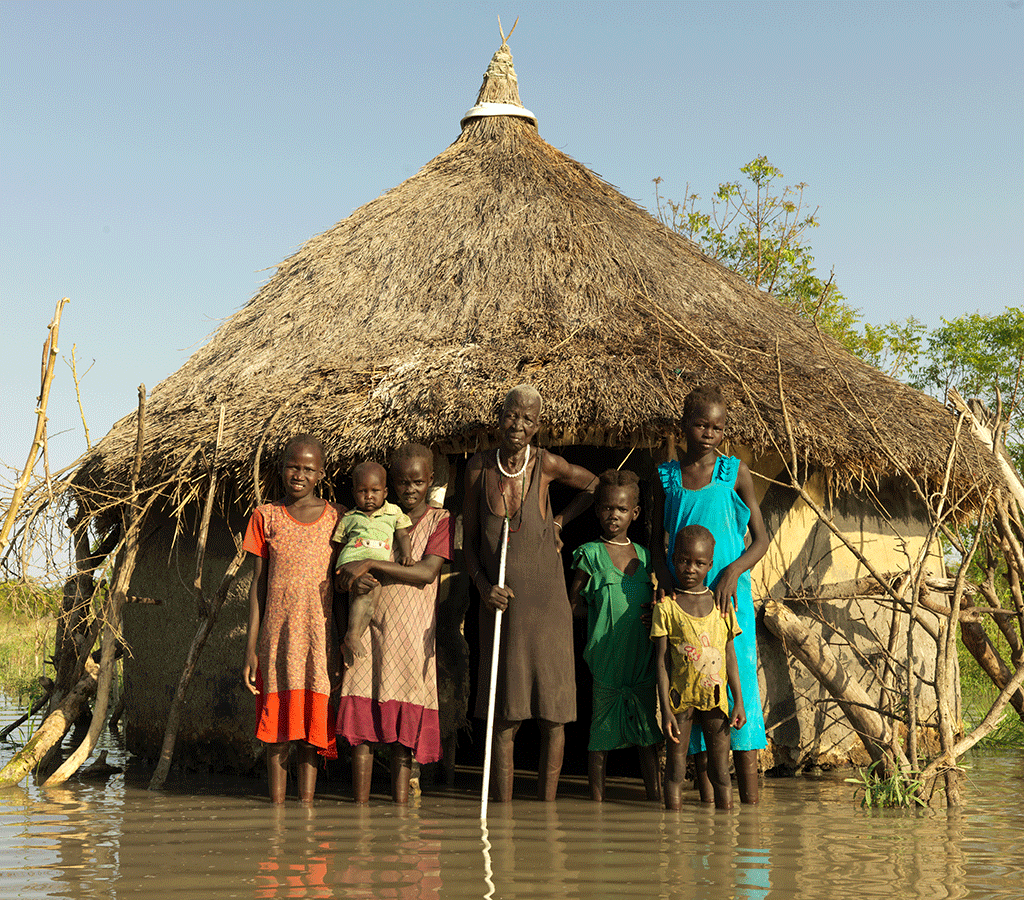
{"points": [[488, 869], [489, 740]]}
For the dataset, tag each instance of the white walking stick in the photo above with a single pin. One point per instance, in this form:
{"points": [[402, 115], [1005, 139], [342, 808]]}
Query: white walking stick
{"points": [[489, 742]]}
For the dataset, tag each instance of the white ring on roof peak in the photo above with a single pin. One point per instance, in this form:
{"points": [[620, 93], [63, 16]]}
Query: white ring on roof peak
{"points": [[497, 109]]}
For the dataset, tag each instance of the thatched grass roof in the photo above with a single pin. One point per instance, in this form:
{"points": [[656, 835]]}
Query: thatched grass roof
{"points": [[503, 260]]}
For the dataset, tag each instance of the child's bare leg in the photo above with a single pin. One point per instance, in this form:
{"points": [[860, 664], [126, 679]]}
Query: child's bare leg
{"points": [[306, 760], [675, 762], [552, 749], [360, 611], [597, 763], [716, 737], [745, 762], [362, 772], [701, 781], [277, 771], [401, 770], [502, 771], [649, 771]]}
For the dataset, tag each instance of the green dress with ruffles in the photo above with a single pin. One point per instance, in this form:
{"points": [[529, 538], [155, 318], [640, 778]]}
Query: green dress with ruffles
{"points": [[619, 650]]}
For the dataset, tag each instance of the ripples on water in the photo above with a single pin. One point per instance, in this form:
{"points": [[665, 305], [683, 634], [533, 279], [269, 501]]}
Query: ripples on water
{"points": [[808, 838]]}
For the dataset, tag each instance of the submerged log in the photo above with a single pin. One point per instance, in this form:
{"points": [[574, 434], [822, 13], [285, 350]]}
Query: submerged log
{"points": [[53, 729], [809, 649]]}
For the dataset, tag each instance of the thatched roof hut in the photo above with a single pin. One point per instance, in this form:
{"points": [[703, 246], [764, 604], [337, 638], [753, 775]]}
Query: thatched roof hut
{"points": [[504, 260]]}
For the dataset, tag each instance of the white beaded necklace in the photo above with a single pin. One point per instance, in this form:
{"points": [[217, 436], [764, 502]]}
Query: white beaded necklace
{"points": [[501, 468], [616, 543]]}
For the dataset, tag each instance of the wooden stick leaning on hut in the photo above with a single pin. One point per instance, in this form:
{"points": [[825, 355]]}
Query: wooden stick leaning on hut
{"points": [[986, 727], [819, 660], [209, 610], [204, 528], [133, 518]]}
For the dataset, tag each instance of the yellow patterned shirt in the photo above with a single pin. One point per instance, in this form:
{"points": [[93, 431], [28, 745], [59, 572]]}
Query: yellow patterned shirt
{"points": [[697, 674]]}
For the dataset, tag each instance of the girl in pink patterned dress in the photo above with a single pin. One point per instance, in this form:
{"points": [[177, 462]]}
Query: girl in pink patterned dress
{"points": [[292, 650], [389, 696]]}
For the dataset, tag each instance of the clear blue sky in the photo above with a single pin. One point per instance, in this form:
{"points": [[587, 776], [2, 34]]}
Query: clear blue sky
{"points": [[157, 160]]}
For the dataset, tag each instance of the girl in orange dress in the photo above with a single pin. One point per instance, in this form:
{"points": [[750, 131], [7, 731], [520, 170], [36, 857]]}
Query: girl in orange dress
{"points": [[292, 649]]}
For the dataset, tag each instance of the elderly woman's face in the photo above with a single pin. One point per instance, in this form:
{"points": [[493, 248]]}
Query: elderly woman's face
{"points": [[518, 425]]}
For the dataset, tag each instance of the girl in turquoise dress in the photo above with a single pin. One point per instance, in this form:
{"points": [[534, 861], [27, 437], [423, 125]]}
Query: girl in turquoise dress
{"points": [[612, 587], [706, 488]]}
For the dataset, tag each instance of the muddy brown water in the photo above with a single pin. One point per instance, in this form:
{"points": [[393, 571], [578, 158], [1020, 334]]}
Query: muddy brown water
{"points": [[219, 837]]}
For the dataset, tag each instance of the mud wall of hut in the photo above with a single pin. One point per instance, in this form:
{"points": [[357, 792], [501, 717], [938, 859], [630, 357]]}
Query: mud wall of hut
{"points": [[219, 719], [805, 726]]}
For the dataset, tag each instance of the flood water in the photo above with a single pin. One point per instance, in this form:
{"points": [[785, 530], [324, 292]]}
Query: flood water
{"points": [[218, 837]]}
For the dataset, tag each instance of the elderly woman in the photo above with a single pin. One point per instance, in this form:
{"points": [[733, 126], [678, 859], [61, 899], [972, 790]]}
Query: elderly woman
{"points": [[536, 677]]}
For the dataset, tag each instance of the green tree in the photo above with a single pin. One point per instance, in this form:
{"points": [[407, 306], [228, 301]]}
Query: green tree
{"points": [[759, 230], [983, 357]]}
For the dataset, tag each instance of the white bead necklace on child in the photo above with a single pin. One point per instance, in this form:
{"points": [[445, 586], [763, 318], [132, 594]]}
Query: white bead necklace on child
{"points": [[501, 468], [696, 593], [616, 543]]}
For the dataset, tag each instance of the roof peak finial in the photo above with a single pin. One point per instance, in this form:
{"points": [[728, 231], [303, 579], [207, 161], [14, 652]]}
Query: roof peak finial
{"points": [[505, 37], [499, 93]]}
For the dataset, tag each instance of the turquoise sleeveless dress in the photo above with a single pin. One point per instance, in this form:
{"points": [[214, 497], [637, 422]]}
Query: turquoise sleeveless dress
{"points": [[721, 511]]}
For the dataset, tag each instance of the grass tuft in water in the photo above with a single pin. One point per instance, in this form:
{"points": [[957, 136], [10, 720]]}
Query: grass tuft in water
{"points": [[897, 791]]}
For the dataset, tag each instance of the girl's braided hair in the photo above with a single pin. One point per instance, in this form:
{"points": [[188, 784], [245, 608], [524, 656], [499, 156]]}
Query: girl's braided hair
{"points": [[620, 478], [701, 398]]}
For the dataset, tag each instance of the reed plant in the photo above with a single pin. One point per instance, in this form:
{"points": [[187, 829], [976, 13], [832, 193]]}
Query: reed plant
{"points": [[898, 790]]}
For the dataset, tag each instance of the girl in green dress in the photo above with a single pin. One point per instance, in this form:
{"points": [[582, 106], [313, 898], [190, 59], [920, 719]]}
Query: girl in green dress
{"points": [[612, 587]]}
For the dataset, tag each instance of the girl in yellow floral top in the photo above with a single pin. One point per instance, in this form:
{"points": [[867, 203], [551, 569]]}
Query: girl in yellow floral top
{"points": [[695, 660]]}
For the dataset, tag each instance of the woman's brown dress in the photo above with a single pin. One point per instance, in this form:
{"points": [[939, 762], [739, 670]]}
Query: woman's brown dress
{"points": [[536, 672]]}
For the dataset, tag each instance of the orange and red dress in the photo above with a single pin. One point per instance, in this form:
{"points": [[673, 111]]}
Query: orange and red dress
{"points": [[297, 649]]}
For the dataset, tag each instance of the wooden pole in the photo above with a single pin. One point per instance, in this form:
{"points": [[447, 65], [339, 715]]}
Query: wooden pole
{"points": [[53, 729], [210, 611], [495, 650], [50, 352], [204, 528]]}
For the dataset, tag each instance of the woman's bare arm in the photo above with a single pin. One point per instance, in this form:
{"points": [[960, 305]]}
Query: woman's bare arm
{"points": [[583, 480]]}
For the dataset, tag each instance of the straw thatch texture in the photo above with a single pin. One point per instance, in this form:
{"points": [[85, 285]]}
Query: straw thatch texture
{"points": [[504, 260]]}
